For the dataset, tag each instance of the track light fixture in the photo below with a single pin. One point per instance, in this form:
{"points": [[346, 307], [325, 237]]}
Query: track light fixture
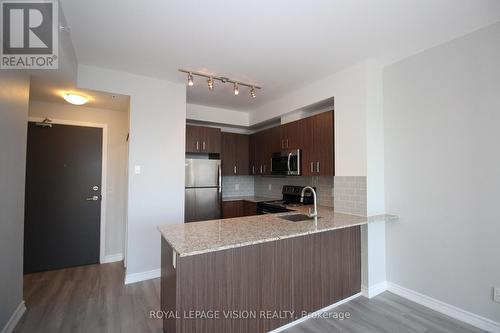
{"points": [[212, 78]]}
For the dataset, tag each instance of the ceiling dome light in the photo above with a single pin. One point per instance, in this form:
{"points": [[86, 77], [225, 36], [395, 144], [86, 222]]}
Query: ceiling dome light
{"points": [[210, 83], [190, 80], [253, 93], [236, 89], [75, 99]]}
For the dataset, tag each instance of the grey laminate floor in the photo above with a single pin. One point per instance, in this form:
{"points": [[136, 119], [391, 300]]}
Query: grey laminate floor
{"points": [[384, 313], [89, 299], [93, 299]]}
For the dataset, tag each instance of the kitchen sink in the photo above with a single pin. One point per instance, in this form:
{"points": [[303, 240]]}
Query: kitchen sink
{"points": [[296, 217]]}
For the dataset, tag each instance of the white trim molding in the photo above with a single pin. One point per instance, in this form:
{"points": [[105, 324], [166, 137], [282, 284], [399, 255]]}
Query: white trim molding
{"points": [[315, 314], [14, 319], [142, 276], [103, 171], [370, 292], [112, 258], [445, 308]]}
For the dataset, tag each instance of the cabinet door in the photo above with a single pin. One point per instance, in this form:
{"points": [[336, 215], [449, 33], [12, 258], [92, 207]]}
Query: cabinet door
{"points": [[210, 140], [193, 139], [308, 157], [323, 140], [252, 164], [228, 154], [249, 208], [232, 209], [242, 149], [294, 138]]}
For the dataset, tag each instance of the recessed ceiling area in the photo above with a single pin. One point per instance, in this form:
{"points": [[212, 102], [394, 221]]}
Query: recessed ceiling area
{"points": [[281, 45]]}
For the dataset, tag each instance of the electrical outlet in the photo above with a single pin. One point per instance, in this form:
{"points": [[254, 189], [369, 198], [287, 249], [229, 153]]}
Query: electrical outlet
{"points": [[270, 187], [237, 187], [496, 295]]}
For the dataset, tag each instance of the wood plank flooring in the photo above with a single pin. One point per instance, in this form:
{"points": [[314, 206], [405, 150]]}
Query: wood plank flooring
{"points": [[93, 299], [89, 299], [385, 313]]}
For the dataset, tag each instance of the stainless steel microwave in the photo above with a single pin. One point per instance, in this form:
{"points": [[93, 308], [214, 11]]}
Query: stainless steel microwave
{"points": [[287, 163]]}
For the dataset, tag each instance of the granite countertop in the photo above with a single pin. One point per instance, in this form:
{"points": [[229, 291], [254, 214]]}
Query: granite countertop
{"points": [[249, 198], [208, 236]]}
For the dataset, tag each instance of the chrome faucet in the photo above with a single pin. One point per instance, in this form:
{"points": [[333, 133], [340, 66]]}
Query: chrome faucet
{"points": [[313, 213]]}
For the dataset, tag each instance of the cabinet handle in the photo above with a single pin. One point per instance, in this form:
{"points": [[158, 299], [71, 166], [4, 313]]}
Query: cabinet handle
{"points": [[282, 144], [312, 167], [235, 170], [264, 168], [204, 145], [253, 169], [287, 143], [197, 145], [317, 167]]}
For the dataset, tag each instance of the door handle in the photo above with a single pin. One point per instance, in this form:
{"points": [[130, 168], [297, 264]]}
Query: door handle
{"points": [[288, 162], [92, 198], [204, 145]]}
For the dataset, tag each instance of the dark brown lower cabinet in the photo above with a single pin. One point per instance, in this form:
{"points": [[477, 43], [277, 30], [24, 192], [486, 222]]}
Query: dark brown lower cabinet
{"points": [[300, 275], [238, 208]]}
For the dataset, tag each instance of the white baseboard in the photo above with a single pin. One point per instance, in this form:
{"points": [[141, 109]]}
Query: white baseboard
{"points": [[112, 258], [14, 319], [317, 313], [142, 276], [370, 292], [445, 308]]}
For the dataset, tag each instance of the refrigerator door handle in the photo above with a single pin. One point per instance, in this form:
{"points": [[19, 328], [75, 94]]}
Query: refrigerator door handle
{"points": [[220, 178]]}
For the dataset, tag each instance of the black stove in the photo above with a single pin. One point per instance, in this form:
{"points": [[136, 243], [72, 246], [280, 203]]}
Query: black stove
{"points": [[291, 196]]}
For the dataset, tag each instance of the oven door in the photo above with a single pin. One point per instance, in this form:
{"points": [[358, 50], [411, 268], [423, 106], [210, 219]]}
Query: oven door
{"points": [[293, 162]]}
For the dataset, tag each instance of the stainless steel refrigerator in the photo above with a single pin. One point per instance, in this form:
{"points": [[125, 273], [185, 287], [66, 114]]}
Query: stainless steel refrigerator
{"points": [[203, 197]]}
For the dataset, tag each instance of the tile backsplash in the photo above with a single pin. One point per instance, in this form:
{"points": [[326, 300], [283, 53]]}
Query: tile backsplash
{"points": [[271, 187], [350, 195], [236, 186], [347, 194]]}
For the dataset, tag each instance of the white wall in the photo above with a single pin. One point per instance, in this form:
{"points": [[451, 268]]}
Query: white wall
{"points": [[14, 95], [348, 87], [157, 144], [217, 115], [442, 119], [116, 177]]}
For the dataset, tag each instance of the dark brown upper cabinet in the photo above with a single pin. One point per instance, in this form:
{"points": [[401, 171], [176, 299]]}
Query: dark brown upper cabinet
{"points": [[235, 154], [292, 135], [200, 139], [318, 145]]}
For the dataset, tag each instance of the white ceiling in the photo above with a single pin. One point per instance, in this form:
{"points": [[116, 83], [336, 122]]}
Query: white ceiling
{"points": [[41, 90], [279, 44]]}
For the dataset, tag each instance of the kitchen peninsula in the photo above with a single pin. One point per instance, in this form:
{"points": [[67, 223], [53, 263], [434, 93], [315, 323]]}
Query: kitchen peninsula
{"points": [[264, 268]]}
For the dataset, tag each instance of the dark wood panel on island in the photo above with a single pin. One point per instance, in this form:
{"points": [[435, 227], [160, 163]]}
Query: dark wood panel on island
{"points": [[300, 275]]}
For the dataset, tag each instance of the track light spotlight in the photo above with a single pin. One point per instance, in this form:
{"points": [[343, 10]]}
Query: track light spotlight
{"points": [[236, 89], [190, 80], [210, 82], [253, 93]]}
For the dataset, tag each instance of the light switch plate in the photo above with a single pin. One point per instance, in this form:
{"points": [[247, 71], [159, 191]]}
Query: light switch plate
{"points": [[137, 169], [496, 295]]}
